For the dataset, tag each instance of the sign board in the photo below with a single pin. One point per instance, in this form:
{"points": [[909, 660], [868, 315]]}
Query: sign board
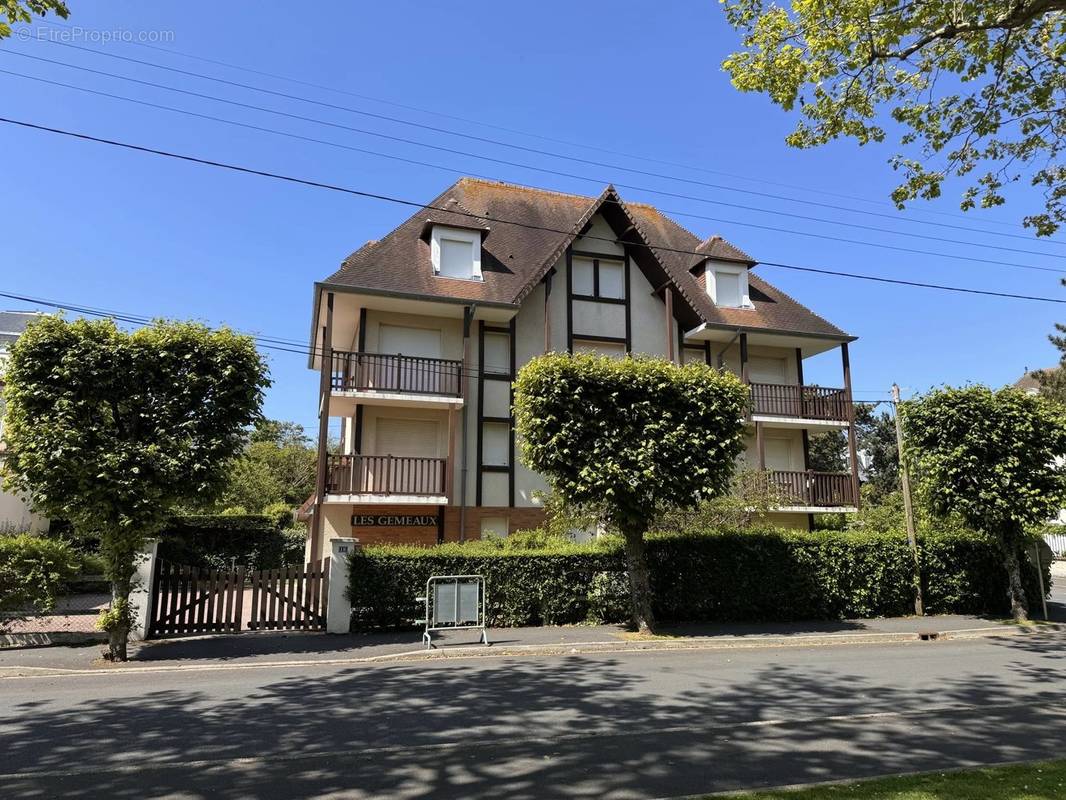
{"points": [[394, 520], [454, 602]]}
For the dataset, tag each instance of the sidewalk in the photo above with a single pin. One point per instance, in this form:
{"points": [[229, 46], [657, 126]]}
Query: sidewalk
{"points": [[273, 648]]}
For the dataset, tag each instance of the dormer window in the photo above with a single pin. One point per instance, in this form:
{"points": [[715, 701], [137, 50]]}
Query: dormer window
{"points": [[727, 284], [456, 253]]}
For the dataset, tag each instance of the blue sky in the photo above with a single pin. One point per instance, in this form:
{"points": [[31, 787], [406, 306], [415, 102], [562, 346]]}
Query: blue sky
{"points": [[94, 225]]}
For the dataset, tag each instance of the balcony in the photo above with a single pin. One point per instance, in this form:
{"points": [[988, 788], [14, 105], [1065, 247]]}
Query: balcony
{"points": [[386, 479], [394, 380], [797, 406], [802, 490]]}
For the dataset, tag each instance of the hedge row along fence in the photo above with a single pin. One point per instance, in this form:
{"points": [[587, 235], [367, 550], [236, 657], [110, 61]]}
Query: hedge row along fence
{"points": [[215, 541], [741, 576]]}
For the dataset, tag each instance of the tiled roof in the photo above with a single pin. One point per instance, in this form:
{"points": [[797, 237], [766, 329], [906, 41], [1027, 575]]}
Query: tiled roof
{"points": [[515, 258], [13, 323], [1029, 383]]}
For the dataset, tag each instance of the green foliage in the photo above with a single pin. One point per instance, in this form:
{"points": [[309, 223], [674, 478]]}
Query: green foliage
{"points": [[14, 11], [1053, 381], [33, 572], [110, 430], [275, 471], [627, 437], [746, 505], [767, 575], [988, 456], [876, 437], [969, 85], [221, 541]]}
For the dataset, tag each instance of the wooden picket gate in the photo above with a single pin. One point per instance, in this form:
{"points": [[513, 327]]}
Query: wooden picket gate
{"points": [[190, 600]]}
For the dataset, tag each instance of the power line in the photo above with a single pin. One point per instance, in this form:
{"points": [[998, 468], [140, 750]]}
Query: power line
{"points": [[455, 212], [314, 351], [505, 129], [537, 151], [758, 226]]}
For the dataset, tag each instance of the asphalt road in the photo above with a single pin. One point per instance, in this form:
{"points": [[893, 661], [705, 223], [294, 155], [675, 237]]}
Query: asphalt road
{"points": [[619, 725]]}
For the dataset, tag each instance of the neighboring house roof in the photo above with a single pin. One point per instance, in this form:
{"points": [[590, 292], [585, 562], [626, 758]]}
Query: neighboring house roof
{"points": [[1028, 381], [13, 323], [516, 257]]}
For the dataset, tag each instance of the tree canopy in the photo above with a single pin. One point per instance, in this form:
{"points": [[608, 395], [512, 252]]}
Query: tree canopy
{"points": [[976, 89], [992, 458], [15, 11], [111, 430], [630, 438], [276, 470]]}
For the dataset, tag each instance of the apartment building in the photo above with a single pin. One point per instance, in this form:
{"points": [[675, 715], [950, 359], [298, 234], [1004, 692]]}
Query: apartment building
{"points": [[418, 335], [16, 516]]}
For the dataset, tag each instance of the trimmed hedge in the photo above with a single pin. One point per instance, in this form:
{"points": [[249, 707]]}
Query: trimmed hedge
{"points": [[216, 541], [764, 576], [34, 571]]}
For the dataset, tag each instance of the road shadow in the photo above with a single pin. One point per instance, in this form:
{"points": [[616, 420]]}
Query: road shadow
{"points": [[577, 726]]}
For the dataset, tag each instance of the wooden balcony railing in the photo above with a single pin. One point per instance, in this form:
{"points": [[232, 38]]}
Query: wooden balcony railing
{"points": [[388, 475], [810, 488], [794, 400], [354, 372]]}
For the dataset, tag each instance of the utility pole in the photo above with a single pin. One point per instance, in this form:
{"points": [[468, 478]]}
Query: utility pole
{"points": [[908, 509]]}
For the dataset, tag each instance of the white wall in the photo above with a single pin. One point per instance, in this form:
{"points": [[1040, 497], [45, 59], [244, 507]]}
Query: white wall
{"points": [[16, 516]]}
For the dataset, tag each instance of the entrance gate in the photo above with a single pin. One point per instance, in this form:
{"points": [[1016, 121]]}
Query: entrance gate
{"points": [[190, 600]]}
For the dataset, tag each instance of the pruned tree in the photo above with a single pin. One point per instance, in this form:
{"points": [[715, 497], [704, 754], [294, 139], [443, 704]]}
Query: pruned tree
{"points": [[977, 88], [15, 11], [110, 430], [993, 459], [630, 438]]}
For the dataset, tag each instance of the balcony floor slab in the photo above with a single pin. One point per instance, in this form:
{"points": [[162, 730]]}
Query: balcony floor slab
{"points": [[814, 510], [771, 421], [342, 404], [387, 499]]}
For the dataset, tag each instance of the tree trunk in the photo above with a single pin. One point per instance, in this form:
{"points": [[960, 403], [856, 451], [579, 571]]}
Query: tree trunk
{"points": [[639, 583], [119, 632], [1019, 606]]}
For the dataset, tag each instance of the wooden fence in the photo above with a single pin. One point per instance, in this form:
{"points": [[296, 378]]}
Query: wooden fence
{"points": [[190, 600]]}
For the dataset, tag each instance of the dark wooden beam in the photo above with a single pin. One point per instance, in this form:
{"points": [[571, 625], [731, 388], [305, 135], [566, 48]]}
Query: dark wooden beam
{"points": [[548, 311], [670, 344], [853, 449], [324, 391], [744, 357]]}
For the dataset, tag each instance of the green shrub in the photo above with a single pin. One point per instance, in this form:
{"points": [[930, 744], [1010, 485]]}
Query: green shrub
{"points": [[217, 541], [769, 575], [33, 572]]}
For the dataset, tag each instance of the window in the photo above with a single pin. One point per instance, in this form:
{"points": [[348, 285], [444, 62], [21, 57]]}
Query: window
{"points": [[612, 280], [612, 349], [727, 289], [599, 278], [495, 444], [494, 526], [727, 285], [456, 253], [498, 353], [584, 281]]}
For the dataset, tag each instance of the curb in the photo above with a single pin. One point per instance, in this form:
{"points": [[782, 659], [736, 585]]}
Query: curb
{"points": [[543, 650], [24, 641]]}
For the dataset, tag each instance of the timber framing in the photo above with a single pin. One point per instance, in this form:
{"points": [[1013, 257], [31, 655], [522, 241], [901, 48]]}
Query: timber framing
{"points": [[483, 419]]}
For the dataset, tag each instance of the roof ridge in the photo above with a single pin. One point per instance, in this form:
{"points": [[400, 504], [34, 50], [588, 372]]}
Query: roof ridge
{"points": [[509, 185], [567, 239], [677, 280]]}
